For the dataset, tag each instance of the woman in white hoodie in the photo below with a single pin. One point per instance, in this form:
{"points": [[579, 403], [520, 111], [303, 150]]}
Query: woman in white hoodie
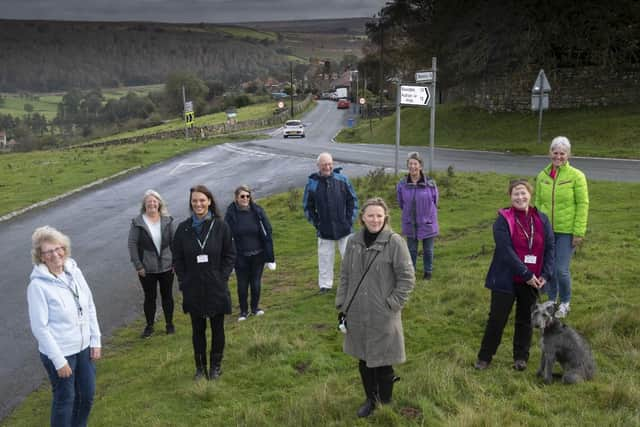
{"points": [[64, 322]]}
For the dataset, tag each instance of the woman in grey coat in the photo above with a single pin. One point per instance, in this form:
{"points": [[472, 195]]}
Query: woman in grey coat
{"points": [[150, 238], [377, 276]]}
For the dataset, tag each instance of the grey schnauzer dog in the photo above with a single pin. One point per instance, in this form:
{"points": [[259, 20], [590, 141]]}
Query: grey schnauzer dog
{"points": [[561, 343]]}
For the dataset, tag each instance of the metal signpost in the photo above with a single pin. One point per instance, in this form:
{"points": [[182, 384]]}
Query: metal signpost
{"points": [[188, 117], [423, 96], [540, 99]]}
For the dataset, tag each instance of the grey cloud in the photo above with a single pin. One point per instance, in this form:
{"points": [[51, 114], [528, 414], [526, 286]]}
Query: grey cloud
{"points": [[189, 10]]}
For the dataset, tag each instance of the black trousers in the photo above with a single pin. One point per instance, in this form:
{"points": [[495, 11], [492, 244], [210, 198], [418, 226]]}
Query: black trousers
{"points": [[249, 276], [199, 334], [501, 304], [150, 284]]}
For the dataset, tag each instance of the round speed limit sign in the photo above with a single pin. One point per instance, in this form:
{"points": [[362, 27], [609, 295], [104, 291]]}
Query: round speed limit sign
{"points": [[362, 101]]}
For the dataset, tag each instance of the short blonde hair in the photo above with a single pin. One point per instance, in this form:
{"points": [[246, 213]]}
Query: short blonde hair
{"points": [[50, 235], [376, 201], [163, 205]]}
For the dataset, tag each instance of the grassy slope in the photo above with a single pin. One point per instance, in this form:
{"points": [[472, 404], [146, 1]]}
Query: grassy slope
{"points": [[287, 368], [602, 132], [250, 112]]}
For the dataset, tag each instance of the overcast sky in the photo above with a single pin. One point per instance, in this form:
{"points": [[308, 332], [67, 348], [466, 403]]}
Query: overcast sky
{"points": [[187, 10]]}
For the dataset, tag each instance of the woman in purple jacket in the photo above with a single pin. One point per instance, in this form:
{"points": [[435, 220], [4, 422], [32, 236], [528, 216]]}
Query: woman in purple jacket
{"points": [[418, 200]]}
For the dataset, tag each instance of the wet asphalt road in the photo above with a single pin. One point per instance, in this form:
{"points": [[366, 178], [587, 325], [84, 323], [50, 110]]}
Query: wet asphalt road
{"points": [[98, 220]]}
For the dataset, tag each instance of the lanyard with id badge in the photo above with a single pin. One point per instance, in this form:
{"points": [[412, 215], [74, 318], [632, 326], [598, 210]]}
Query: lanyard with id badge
{"points": [[528, 259], [204, 258], [72, 287]]}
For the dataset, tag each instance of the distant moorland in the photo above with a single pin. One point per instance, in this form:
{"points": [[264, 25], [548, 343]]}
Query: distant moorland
{"points": [[45, 56]]}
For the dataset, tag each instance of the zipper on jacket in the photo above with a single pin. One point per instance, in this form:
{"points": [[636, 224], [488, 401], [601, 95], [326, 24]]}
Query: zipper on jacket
{"points": [[553, 199]]}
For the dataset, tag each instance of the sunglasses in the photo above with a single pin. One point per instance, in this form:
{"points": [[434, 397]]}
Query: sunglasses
{"points": [[245, 196]]}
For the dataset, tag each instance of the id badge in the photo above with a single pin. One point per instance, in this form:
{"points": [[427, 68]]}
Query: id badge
{"points": [[530, 259], [202, 258]]}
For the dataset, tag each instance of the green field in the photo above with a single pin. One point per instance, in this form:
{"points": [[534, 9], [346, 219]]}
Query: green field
{"points": [[47, 103], [250, 112], [287, 367], [598, 132]]}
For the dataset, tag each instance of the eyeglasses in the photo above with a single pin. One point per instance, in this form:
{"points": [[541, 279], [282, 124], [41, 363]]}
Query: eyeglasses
{"points": [[60, 250], [245, 196]]}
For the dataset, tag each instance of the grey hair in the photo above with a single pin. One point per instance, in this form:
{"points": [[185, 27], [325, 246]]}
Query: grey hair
{"points": [[163, 205], [50, 235], [560, 142], [322, 155]]}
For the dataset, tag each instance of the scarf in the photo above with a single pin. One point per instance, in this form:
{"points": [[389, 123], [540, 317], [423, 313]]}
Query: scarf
{"points": [[197, 223]]}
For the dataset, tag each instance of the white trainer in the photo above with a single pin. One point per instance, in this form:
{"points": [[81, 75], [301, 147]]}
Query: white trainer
{"points": [[563, 310]]}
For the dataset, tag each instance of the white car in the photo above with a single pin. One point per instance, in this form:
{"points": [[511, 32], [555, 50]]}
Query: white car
{"points": [[293, 128]]}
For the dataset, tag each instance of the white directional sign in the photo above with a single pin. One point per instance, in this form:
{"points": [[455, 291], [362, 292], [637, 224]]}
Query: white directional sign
{"points": [[424, 76], [415, 95]]}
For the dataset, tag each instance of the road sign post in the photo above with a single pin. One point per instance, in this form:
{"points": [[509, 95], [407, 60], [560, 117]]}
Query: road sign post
{"points": [[432, 122], [540, 99], [418, 96]]}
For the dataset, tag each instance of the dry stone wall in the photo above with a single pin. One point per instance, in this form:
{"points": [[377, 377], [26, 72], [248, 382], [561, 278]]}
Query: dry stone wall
{"points": [[570, 88]]}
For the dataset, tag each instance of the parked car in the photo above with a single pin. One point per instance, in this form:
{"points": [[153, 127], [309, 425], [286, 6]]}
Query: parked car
{"points": [[293, 128], [343, 103]]}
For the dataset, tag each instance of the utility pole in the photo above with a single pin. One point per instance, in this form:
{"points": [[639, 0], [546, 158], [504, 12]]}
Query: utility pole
{"points": [[381, 62], [291, 83]]}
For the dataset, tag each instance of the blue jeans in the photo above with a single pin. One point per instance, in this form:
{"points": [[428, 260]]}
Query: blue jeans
{"points": [[72, 396], [561, 281], [249, 276], [427, 252]]}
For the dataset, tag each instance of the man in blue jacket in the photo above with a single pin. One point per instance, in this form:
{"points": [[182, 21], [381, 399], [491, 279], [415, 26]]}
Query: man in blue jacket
{"points": [[331, 205]]}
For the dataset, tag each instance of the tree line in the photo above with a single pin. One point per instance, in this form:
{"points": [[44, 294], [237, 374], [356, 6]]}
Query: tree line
{"points": [[473, 39], [84, 114]]}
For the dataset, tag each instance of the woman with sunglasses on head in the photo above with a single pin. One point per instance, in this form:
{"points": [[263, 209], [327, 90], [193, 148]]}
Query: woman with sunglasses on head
{"points": [[254, 247], [64, 322], [203, 255]]}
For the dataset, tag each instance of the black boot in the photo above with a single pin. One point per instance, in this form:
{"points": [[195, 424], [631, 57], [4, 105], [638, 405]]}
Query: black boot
{"points": [[385, 385], [201, 366], [216, 366], [370, 390]]}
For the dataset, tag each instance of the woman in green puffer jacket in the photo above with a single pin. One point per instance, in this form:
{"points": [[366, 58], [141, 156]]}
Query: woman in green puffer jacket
{"points": [[561, 193]]}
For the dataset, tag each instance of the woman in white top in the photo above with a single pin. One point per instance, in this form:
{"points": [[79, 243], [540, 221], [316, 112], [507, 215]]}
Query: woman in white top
{"points": [[150, 238], [64, 322]]}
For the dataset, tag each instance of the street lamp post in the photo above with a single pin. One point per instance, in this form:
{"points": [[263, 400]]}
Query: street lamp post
{"points": [[291, 85]]}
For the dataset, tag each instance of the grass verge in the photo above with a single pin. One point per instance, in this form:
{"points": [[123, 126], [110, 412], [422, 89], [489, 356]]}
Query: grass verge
{"points": [[597, 132], [287, 368]]}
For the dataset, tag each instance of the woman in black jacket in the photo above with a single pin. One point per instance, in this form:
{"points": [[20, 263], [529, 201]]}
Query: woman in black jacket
{"points": [[522, 264], [203, 254], [254, 244]]}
